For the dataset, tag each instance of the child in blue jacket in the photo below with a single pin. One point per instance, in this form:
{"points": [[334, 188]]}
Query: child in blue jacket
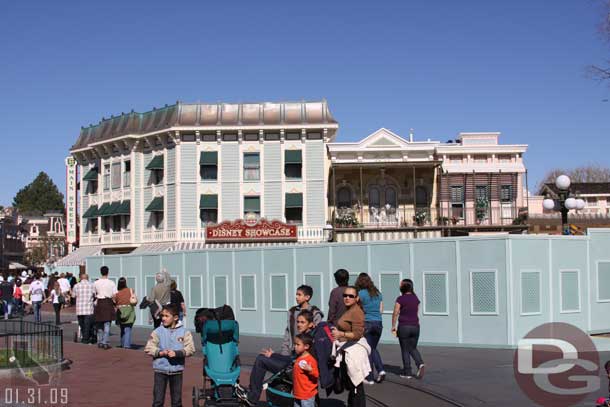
{"points": [[169, 345]]}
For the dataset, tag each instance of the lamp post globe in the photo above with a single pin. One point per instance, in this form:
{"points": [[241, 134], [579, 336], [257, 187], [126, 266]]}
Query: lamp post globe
{"points": [[580, 204], [571, 203], [563, 182], [548, 204]]}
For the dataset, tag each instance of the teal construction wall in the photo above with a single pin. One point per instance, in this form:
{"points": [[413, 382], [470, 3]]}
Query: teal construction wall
{"points": [[474, 290]]}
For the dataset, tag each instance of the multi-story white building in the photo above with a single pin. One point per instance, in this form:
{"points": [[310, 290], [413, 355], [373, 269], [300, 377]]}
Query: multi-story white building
{"points": [[149, 181], [190, 176]]}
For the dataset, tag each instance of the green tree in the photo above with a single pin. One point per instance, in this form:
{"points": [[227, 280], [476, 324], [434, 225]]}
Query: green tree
{"points": [[39, 196]]}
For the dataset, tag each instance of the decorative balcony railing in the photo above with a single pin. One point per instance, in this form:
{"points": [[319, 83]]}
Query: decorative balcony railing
{"points": [[425, 217]]}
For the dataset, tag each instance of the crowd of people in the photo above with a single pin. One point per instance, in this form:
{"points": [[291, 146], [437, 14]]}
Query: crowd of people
{"points": [[354, 319]]}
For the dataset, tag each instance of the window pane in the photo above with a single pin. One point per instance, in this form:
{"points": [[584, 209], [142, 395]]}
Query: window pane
{"points": [[457, 194], [421, 196], [293, 136], [293, 171], [294, 215], [390, 197], [208, 137], [106, 176], [278, 293], [209, 215], [603, 281], [483, 286], [116, 175], [229, 137], [209, 172], [435, 294], [530, 292], [195, 294], [248, 292], [344, 198], [374, 197], [251, 137], [220, 291], [506, 194], [272, 136]]}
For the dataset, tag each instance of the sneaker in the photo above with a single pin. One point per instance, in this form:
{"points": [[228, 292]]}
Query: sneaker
{"points": [[381, 376], [406, 376], [420, 371], [371, 382]]}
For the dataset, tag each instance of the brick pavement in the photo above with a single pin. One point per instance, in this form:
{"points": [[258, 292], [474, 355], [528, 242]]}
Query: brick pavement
{"points": [[473, 377]]}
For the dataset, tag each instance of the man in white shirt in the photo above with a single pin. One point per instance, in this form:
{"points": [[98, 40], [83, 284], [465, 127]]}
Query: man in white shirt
{"points": [[37, 295], [105, 291]]}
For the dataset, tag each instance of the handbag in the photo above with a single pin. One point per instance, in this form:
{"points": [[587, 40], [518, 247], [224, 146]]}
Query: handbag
{"points": [[133, 299], [61, 299]]}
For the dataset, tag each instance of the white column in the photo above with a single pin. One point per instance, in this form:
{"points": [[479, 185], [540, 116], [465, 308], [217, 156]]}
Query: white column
{"points": [[178, 186]]}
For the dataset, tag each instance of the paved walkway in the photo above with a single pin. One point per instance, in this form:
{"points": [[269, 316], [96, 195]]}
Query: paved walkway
{"points": [[469, 377]]}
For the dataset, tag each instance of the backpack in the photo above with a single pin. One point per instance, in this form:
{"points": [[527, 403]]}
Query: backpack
{"points": [[217, 314]]}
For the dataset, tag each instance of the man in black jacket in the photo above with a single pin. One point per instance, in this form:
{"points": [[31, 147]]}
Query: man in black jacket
{"points": [[6, 295]]}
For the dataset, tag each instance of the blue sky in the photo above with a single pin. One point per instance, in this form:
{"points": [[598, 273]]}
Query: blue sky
{"points": [[439, 67]]}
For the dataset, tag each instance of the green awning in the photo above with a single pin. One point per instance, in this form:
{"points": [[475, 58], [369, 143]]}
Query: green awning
{"points": [[293, 156], [91, 212], [112, 210], [103, 209], [208, 202], [91, 175], [252, 204], [156, 163], [294, 200], [124, 208], [156, 205], [208, 158]]}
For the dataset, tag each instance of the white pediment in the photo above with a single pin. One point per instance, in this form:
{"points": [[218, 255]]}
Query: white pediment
{"points": [[383, 138]]}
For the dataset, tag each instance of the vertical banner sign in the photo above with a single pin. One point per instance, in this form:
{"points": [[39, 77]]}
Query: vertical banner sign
{"points": [[71, 217]]}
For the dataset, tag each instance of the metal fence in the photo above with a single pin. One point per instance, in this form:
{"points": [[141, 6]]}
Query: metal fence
{"points": [[30, 343]]}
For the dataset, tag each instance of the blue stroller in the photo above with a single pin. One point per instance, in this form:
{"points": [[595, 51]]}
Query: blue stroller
{"points": [[221, 365]]}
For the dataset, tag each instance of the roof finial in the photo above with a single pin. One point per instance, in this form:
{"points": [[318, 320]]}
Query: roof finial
{"points": [[410, 135]]}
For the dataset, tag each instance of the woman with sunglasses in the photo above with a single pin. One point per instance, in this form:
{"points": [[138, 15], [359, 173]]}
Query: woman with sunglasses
{"points": [[405, 311], [350, 327]]}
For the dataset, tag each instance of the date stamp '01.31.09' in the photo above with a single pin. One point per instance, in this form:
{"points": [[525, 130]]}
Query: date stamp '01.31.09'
{"points": [[34, 396]]}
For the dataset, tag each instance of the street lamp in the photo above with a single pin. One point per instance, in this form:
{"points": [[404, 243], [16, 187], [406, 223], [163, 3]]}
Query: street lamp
{"points": [[565, 202]]}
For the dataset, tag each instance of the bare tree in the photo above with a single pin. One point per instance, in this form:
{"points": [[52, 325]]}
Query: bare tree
{"points": [[587, 173], [602, 73]]}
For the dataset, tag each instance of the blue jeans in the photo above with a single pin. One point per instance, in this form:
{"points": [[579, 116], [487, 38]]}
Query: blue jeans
{"points": [[103, 331], [262, 365], [305, 403], [126, 336], [372, 333], [36, 305], [8, 307]]}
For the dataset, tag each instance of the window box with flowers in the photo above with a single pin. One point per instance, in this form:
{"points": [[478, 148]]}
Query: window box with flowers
{"points": [[481, 207], [346, 219], [420, 217]]}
